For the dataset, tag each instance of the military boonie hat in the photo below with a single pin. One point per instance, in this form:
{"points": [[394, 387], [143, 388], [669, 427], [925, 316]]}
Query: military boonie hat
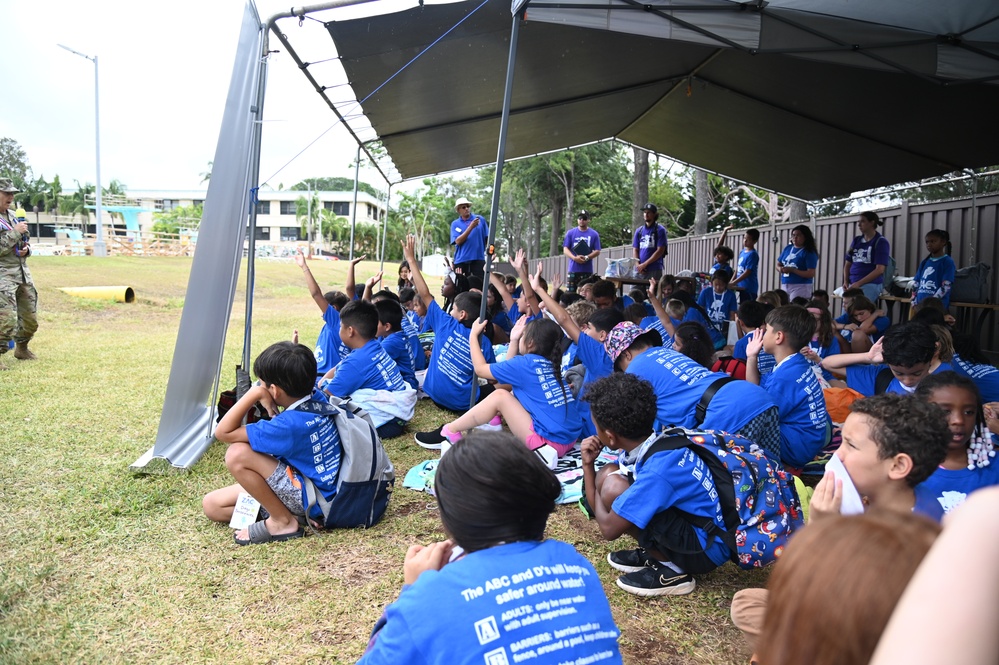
{"points": [[7, 185]]}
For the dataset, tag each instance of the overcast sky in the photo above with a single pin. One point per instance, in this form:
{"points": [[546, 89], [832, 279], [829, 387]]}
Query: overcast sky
{"points": [[164, 75]]}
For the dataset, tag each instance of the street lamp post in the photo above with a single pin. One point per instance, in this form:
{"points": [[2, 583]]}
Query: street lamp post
{"points": [[100, 248]]}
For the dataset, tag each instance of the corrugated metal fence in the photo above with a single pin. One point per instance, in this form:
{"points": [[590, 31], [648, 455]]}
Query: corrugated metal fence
{"points": [[973, 226]]}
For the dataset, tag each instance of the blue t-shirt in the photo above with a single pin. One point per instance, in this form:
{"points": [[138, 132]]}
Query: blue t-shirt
{"points": [[668, 479], [552, 407], [865, 256], [398, 349], [720, 307], [679, 382], [307, 442], [450, 374], [412, 333], [803, 417], [647, 241], [575, 239], [986, 377], [693, 314], [368, 367], [749, 261], [764, 362], [934, 279], [474, 247], [824, 352], [724, 267], [881, 324], [799, 259], [598, 364], [947, 489], [862, 379], [541, 601], [502, 320], [330, 349], [653, 323]]}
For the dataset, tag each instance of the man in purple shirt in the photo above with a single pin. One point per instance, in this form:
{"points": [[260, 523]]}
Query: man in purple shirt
{"points": [[649, 244], [581, 246]]}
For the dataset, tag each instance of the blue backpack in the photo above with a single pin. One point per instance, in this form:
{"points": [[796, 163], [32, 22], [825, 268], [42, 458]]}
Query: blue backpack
{"points": [[759, 503]]}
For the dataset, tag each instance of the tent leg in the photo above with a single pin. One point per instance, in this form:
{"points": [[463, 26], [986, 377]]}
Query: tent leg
{"points": [[353, 210], [497, 181], [388, 200]]}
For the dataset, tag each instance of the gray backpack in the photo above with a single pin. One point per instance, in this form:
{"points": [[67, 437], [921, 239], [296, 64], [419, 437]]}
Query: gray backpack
{"points": [[366, 475]]}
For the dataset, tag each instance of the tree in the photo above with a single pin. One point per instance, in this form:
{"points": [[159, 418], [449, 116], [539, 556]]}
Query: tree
{"points": [[336, 185], [181, 217], [641, 188], [307, 213], [77, 202], [14, 162]]}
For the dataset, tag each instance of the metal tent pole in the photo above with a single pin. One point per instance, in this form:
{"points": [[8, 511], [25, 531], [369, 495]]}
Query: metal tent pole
{"points": [[388, 198], [498, 179], [353, 210]]}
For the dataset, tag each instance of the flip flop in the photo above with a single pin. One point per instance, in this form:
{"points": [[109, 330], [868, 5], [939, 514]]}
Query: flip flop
{"points": [[258, 535]]}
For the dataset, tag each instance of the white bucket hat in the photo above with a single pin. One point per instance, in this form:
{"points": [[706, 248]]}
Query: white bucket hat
{"points": [[462, 202]]}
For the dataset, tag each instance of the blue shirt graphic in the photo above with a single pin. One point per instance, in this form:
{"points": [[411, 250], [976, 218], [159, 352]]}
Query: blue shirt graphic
{"points": [[542, 601], [934, 279], [825, 352], [986, 377], [947, 489], [552, 407], [803, 417], [412, 332], [800, 259], [576, 238], [450, 374], [720, 307], [865, 256], [647, 240], [474, 247], [367, 367], [764, 362]]}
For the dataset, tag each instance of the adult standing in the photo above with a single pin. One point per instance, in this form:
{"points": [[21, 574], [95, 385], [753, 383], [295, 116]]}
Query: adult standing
{"points": [[867, 258], [469, 235], [581, 246], [18, 298], [649, 244], [797, 263]]}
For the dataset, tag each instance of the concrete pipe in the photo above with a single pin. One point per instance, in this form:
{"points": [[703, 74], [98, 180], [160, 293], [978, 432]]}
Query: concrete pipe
{"points": [[116, 293]]}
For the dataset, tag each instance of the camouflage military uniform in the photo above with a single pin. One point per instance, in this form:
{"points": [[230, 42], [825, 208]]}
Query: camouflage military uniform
{"points": [[18, 298]]}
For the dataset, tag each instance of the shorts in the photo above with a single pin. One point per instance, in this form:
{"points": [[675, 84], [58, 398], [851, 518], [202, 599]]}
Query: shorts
{"points": [[764, 431], [287, 488], [675, 538], [535, 441]]}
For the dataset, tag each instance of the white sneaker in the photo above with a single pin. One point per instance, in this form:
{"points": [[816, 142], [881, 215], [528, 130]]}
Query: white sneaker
{"points": [[494, 425], [547, 455]]}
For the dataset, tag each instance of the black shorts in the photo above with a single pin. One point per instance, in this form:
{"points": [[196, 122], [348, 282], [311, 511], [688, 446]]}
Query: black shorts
{"points": [[472, 268], [676, 540]]}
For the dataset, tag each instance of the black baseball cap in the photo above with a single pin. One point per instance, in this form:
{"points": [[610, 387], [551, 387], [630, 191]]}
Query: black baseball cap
{"points": [[651, 207], [583, 214]]}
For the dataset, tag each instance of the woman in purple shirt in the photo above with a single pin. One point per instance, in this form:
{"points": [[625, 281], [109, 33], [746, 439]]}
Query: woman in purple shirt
{"points": [[867, 257]]}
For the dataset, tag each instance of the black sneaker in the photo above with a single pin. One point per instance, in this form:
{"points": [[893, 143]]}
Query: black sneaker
{"points": [[631, 561], [657, 580], [430, 440]]}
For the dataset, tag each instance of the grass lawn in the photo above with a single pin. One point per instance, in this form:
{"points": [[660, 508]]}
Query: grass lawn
{"points": [[99, 565]]}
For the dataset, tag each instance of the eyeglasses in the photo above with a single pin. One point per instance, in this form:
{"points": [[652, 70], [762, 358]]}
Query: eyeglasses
{"points": [[464, 206]]}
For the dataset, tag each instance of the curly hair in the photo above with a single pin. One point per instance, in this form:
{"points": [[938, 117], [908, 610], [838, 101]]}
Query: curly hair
{"points": [[904, 424], [624, 404]]}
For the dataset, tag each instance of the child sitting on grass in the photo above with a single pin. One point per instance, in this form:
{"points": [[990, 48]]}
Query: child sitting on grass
{"points": [[269, 459], [453, 591], [968, 465], [393, 339], [908, 349], [670, 548], [752, 314], [804, 423], [368, 375], [541, 412], [866, 324]]}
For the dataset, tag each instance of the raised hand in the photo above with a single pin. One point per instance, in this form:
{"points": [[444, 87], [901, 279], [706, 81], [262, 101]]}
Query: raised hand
{"points": [[517, 262], [755, 342], [876, 354], [556, 282], [300, 258], [374, 280], [409, 248], [535, 279], [357, 260]]}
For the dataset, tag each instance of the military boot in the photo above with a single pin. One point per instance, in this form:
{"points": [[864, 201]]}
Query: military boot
{"points": [[21, 351]]}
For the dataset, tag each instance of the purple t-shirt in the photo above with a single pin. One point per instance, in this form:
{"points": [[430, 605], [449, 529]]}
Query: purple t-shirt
{"points": [[647, 240], [573, 238], [866, 256]]}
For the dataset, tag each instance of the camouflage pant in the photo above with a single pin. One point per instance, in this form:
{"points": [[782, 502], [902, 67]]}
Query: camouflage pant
{"points": [[18, 305]]}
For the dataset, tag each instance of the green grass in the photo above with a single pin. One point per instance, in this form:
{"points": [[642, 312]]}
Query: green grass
{"points": [[99, 565]]}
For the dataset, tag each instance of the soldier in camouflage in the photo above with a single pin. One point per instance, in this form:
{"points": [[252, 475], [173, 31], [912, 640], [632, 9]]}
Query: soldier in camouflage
{"points": [[18, 298]]}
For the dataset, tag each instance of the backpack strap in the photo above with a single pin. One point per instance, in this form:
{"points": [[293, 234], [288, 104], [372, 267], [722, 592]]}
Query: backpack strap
{"points": [[701, 410], [882, 379]]}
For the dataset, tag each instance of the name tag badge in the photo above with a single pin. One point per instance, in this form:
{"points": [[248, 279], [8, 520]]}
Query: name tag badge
{"points": [[245, 512]]}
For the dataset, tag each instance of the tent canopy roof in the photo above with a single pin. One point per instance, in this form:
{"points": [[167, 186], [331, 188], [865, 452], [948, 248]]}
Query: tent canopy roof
{"points": [[823, 99]]}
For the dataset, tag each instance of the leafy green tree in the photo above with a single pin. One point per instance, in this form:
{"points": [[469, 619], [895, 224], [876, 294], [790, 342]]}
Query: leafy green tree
{"points": [[77, 202], [181, 217], [336, 185], [14, 162]]}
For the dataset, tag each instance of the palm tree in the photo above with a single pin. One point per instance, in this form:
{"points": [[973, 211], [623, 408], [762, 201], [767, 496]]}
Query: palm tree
{"points": [[76, 204], [54, 195]]}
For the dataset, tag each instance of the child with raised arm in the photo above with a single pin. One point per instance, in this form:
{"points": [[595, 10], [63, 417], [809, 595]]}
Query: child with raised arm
{"points": [[746, 280], [450, 377], [329, 348], [804, 422], [671, 549], [589, 345], [271, 458], [368, 375], [751, 315], [449, 608], [541, 412]]}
